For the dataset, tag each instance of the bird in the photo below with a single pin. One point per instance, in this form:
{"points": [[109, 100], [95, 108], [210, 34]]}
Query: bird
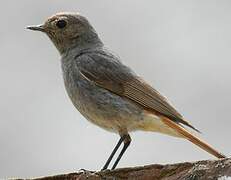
{"points": [[107, 92]]}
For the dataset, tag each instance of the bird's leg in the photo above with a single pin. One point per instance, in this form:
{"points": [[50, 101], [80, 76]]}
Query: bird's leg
{"points": [[122, 138], [127, 141]]}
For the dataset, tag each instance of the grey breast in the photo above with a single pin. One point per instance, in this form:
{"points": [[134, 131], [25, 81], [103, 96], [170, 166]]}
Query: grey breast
{"points": [[93, 102]]}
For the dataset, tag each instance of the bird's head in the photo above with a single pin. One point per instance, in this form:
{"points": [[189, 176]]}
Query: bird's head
{"points": [[68, 30]]}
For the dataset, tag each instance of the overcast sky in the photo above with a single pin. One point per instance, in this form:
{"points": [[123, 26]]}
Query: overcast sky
{"points": [[182, 48]]}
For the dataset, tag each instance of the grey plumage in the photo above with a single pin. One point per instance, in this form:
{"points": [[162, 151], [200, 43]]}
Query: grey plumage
{"points": [[97, 104], [107, 92]]}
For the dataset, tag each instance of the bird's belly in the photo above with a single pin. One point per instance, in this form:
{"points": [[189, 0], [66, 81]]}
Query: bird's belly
{"points": [[103, 108]]}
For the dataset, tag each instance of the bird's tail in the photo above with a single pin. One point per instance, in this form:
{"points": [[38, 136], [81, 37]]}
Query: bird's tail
{"points": [[195, 140]]}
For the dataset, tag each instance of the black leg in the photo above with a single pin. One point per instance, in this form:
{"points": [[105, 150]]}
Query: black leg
{"points": [[113, 152], [127, 141]]}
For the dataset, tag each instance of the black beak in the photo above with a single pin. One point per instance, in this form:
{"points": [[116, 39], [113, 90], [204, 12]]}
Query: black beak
{"points": [[36, 28]]}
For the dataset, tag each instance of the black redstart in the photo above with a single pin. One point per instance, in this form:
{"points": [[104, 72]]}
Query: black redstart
{"points": [[108, 93]]}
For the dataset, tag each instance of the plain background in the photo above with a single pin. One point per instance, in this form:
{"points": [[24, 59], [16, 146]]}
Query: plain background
{"points": [[180, 47]]}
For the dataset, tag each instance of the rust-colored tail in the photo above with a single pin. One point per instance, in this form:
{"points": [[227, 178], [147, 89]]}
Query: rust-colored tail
{"points": [[195, 140]]}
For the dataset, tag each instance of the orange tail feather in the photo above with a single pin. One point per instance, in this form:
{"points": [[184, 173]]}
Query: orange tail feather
{"points": [[195, 140]]}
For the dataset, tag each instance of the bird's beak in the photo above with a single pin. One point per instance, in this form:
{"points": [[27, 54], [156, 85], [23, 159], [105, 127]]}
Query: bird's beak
{"points": [[37, 28]]}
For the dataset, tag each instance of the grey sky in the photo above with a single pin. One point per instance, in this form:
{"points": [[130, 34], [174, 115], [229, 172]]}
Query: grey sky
{"points": [[181, 47]]}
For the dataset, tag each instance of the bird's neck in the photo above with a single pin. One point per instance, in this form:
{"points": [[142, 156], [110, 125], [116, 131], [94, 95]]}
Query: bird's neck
{"points": [[81, 45]]}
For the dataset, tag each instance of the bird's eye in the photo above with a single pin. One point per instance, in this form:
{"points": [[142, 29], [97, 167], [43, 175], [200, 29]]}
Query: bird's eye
{"points": [[61, 24]]}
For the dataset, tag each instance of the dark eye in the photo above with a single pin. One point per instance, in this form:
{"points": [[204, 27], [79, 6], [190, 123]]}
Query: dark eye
{"points": [[61, 24]]}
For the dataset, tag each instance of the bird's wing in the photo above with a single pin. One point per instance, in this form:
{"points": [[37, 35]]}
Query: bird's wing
{"points": [[109, 73]]}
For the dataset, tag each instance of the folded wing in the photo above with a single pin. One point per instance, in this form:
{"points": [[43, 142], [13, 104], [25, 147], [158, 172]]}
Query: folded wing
{"points": [[109, 73]]}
